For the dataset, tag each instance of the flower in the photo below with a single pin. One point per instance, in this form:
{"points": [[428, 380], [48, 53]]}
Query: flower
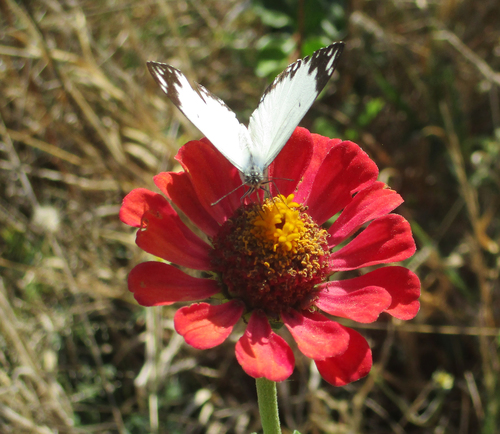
{"points": [[271, 261]]}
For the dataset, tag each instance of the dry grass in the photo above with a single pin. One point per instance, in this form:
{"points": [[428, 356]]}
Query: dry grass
{"points": [[82, 123]]}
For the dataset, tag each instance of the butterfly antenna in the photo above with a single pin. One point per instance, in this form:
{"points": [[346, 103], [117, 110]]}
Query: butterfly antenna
{"points": [[226, 195], [264, 187]]}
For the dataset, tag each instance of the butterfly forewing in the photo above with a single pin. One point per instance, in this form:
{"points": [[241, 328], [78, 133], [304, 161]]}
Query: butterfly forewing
{"points": [[287, 100], [281, 108], [207, 112]]}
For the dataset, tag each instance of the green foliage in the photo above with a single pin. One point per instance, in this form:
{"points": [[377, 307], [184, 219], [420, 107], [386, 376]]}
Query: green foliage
{"points": [[319, 23], [325, 127], [372, 108], [16, 247]]}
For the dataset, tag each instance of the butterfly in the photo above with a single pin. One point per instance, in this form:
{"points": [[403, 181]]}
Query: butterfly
{"points": [[282, 106]]}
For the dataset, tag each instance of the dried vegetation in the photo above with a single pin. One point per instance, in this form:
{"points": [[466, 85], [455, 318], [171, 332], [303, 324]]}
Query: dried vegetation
{"points": [[82, 123]]}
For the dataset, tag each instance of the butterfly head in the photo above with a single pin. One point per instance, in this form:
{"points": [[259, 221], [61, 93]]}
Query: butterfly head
{"points": [[253, 177]]}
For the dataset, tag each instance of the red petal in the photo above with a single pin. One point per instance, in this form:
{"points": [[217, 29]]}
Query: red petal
{"points": [[386, 239], [212, 176], [370, 203], [321, 147], [290, 164], [262, 353], [156, 283], [354, 364], [345, 170], [205, 326], [163, 234], [403, 286], [359, 299], [179, 189], [137, 203], [317, 336]]}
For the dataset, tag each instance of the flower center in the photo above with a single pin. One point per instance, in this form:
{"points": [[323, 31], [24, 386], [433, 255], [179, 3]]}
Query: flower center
{"points": [[271, 256]]}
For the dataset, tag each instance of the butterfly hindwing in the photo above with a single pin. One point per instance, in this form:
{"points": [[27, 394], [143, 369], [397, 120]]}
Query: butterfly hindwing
{"points": [[207, 112], [287, 100]]}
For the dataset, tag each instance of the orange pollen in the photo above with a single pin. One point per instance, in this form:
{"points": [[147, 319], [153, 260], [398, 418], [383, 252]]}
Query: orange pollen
{"points": [[271, 256]]}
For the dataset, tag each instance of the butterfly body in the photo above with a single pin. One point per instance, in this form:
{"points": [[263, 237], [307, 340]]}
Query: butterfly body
{"points": [[282, 106]]}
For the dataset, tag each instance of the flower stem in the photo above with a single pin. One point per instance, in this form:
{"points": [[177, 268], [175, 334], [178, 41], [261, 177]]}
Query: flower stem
{"points": [[268, 406]]}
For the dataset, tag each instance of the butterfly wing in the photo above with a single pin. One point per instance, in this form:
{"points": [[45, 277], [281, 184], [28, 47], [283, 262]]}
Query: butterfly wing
{"points": [[287, 100], [207, 112]]}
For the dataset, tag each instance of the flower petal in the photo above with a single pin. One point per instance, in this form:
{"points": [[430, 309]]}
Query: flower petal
{"points": [[163, 234], [403, 286], [262, 353], [354, 364], [321, 147], [213, 177], [317, 336], [386, 239], [179, 189], [287, 169], [205, 326], [358, 299], [156, 283], [368, 204], [137, 203], [345, 170]]}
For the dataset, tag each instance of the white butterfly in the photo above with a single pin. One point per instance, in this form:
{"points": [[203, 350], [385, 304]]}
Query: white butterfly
{"points": [[282, 106]]}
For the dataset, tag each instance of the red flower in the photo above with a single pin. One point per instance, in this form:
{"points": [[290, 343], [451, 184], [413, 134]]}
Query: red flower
{"points": [[271, 262]]}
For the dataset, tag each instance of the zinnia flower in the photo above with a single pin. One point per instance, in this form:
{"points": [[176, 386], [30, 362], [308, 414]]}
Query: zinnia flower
{"points": [[272, 261]]}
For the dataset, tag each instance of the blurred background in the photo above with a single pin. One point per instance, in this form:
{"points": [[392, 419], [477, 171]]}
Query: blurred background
{"points": [[82, 123]]}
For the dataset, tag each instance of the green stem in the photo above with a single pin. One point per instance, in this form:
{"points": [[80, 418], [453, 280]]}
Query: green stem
{"points": [[268, 406]]}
